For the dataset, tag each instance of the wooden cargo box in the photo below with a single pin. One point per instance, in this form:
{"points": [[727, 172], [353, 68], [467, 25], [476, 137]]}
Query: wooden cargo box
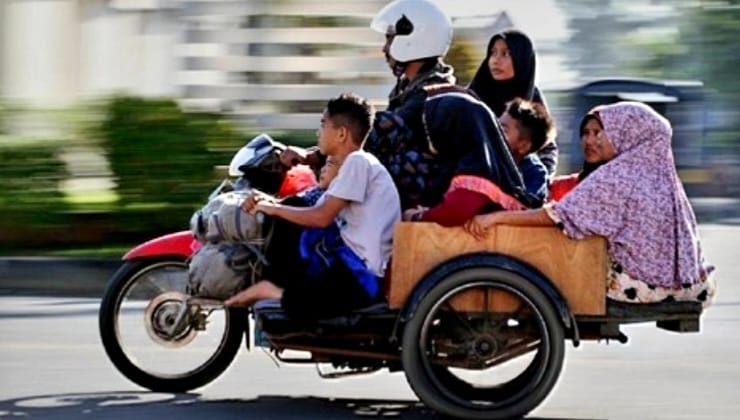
{"points": [[577, 268]]}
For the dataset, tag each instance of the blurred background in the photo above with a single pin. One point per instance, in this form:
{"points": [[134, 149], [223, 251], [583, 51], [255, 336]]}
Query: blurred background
{"points": [[117, 116]]}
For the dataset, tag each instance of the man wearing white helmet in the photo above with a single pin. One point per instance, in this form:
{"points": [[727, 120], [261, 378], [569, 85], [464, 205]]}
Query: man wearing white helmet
{"points": [[418, 35]]}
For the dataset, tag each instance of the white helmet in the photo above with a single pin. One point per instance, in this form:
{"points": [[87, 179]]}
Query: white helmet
{"points": [[421, 29]]}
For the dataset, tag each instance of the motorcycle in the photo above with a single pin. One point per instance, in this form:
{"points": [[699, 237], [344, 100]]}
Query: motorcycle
{"points": [[154, 277], [478, 327]]}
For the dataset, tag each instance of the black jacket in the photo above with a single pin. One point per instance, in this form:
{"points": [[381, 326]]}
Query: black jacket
{"points": [[468, 140], [406, 99]]}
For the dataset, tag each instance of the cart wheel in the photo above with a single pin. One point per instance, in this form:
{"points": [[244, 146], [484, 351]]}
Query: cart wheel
{"points": [[485, 343]]}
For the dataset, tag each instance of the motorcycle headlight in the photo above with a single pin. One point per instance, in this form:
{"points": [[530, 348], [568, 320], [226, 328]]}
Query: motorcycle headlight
{"points": [[196, 223]]}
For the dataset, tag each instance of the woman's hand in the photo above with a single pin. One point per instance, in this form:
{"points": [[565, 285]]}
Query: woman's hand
{"points": [[478, 226], [414, 214]]}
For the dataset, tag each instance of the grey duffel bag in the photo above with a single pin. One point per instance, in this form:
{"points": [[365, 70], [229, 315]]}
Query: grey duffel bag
{"points": [[218, 271]]}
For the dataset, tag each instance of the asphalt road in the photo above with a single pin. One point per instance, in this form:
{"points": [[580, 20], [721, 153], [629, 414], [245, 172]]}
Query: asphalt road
{"points": [[52, 365]]}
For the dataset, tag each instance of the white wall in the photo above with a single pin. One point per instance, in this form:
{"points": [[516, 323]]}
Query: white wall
{"points": [[39, 54], [127, 51], [108, 53], [53, 52], [158, 62]]}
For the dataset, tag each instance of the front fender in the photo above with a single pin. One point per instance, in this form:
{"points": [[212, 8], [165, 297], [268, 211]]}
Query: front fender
{"points": [[442, 271], [178, 244]]}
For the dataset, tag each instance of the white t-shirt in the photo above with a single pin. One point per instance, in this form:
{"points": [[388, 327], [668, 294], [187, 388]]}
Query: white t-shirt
{"points": [[367, 223]]}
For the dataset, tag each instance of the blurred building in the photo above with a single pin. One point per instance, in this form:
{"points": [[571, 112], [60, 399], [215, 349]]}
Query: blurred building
{"points": [[269, 64], [56, 51]]}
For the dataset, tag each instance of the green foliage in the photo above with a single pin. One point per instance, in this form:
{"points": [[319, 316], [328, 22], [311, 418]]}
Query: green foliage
{"points": [[465, 59], [159, 156], [158, 153], [659, 53], [3, 115], [704, 47], [302, 138], [30, 175]]}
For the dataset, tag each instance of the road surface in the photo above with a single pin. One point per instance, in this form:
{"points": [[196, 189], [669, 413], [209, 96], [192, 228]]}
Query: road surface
{"points": [[52, 365]]}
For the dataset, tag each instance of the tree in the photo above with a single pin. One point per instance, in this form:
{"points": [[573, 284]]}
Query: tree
{"points": [[157, 152], [704, 47], [463, 56]]}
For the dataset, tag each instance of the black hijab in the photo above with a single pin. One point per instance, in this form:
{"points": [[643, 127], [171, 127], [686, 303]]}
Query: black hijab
{"points": [[497, 93], [468, 140]]}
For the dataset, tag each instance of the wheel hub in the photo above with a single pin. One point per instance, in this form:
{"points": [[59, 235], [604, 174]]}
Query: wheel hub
{"points": [[161, 316], [485, 346]]}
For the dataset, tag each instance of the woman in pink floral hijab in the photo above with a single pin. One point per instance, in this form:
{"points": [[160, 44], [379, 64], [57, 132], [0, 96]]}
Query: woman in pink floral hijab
{"points": [[637, 202]]}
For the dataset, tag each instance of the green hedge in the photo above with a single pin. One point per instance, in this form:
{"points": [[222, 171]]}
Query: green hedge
{"points": [[33, 208], [30, 177], [162, 166], [158, 153]]}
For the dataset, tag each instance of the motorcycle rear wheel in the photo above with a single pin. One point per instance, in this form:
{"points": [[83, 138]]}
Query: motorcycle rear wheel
{"points": [[152, 291]]}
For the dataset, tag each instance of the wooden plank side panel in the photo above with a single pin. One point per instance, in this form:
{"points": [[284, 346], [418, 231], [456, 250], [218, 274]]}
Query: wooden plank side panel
{"points": [[497, 301], [577, 268]]}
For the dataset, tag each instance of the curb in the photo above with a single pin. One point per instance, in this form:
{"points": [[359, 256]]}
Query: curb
{"points": [[56, 276]]}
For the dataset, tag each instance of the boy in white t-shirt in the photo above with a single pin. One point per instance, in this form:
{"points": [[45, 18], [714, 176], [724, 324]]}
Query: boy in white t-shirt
{"points": [[354, 220]]}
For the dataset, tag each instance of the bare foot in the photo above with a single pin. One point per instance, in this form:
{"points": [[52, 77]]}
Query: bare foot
{"points": [[249, 296], [240, 300]]}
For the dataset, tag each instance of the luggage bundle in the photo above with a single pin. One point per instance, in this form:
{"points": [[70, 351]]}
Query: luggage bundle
{"points": [[231, 253]]}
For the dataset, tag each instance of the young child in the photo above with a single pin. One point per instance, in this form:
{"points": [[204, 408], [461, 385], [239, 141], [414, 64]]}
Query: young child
{"points": [[528, 127], [326, 175], [308, 197]]}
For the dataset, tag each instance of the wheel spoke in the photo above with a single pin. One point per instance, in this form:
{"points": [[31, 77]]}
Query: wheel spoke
{"points": [[488, 322], [513, 352], [462, 321]]}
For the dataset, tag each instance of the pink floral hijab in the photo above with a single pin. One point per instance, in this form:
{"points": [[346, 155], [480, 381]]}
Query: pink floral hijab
{"points": [[637, 202]]}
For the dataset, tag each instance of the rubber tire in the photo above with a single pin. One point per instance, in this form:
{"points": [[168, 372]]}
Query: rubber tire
{"points": [[215, 366], [419, 378]]}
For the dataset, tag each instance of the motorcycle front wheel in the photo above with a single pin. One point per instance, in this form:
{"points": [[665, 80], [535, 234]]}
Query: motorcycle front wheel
{"points": [[138, 328]]}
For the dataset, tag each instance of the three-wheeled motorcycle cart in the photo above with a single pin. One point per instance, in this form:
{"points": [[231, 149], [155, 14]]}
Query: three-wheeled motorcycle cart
{"points": [[477, 326]]}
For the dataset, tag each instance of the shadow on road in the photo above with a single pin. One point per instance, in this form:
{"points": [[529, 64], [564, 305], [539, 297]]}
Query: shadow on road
{"points": [[147, 405]]}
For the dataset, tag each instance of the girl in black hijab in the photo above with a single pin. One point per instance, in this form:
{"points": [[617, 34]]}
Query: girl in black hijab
{"points": [[508, 72]]}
